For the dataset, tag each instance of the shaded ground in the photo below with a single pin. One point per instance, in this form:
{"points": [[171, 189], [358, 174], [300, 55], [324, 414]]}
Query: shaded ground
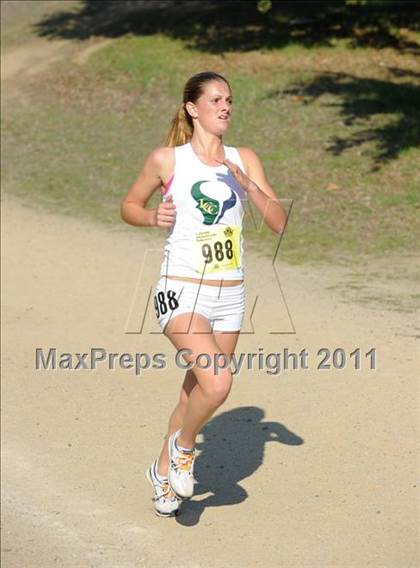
{"points": [[216, 26], [362, 99]]}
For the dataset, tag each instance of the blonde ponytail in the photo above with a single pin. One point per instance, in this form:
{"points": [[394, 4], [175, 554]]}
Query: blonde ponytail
{"points": [[181, 128]]}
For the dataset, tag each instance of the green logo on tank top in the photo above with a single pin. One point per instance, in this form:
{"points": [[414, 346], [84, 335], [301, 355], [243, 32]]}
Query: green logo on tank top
{"points": [[208, 206]]}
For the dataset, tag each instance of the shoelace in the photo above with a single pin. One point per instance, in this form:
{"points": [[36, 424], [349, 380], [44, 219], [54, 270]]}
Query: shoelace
{"points": [[185, 461], [167, 492]]}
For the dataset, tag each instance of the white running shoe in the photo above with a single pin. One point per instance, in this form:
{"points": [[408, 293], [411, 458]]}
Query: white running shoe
{"points": [[165, 500], [181, 468]]}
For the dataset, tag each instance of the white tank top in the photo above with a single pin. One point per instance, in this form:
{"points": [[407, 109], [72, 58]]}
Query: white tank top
{"points": [[206, 238]]}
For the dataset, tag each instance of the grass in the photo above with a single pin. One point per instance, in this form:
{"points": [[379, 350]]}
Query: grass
{"points": [[79, 135]]}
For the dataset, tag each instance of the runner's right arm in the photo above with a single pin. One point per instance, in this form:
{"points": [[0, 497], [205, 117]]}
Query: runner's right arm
{"points": [[133, 206]]}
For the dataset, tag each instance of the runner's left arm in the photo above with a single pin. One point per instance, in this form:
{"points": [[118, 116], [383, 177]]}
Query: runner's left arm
{"points": [[254, 181]]}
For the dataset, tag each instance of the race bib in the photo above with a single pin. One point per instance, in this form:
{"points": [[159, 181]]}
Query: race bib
{"points": [[217, 249]]}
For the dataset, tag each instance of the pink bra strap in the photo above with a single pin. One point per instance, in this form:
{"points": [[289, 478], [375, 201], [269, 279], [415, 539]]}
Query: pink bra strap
{"points": [[168, 185]]}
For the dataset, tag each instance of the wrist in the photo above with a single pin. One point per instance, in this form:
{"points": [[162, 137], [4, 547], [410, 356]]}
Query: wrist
{"points": [[152, 217], [252, 187]]}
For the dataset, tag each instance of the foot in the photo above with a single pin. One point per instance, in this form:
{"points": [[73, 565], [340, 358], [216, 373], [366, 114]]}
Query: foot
{"points": [[181, 468], [165, 500]]}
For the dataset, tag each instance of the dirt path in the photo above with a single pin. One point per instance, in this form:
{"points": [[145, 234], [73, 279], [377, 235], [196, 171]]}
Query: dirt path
{"points": [[26, 55], [76, 443]]}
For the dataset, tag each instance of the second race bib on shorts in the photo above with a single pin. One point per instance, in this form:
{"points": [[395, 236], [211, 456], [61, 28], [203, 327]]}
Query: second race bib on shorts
{"points": [[217, 249]]}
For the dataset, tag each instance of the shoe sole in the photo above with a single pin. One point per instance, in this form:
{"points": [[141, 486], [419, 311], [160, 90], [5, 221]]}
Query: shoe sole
{"points": [[174, 513], [187, 498]]}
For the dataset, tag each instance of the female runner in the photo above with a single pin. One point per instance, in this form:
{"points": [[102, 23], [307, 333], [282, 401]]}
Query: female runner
{"points": [[199, 298]]}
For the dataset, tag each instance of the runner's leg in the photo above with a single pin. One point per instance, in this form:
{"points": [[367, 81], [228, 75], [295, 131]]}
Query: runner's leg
{"points": [[176, 419], [211, 389]]}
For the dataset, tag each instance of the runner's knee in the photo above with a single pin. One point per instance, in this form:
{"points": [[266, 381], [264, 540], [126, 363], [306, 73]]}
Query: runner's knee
{"points": [[217, 390]]}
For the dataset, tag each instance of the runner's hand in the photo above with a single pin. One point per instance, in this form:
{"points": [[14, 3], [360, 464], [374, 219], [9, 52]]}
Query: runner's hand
{"points": [[166, 213], [244, 181]]}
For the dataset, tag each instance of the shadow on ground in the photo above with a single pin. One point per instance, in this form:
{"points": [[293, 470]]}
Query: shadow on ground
{"points": [[362, 101], [232, 450], [217, 26]]}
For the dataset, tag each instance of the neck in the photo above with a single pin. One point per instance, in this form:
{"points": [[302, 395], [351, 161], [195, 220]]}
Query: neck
{"points": [[207, 144]]}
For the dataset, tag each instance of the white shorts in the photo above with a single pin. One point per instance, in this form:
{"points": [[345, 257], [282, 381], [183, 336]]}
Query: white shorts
{"points": [[223, 306]]}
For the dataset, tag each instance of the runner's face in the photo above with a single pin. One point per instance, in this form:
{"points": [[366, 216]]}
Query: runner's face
{"points": [[214, 107]]}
